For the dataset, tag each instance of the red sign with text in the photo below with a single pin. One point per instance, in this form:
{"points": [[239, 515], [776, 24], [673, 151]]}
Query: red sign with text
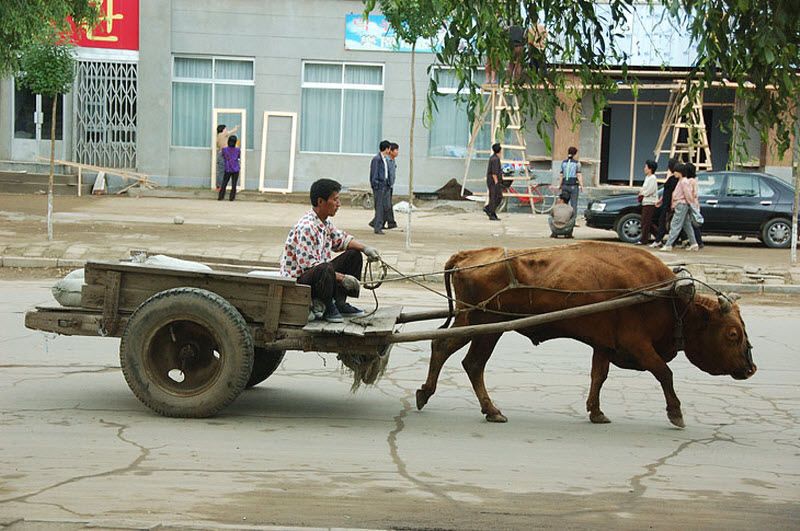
{"points": [[118, 26]]}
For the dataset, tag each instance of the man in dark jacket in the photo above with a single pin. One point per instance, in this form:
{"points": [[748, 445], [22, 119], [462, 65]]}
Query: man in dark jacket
{"points": [[494, 174], [379, 182], [665, 203]]}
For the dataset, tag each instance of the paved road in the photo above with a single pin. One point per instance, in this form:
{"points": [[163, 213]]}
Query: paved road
{"points": [[76, 447]]}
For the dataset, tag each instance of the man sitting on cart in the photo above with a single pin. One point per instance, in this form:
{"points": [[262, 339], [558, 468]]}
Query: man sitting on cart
{"points": [[309, 248]]}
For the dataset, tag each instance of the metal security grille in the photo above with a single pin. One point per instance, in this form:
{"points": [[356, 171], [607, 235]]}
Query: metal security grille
{"points": [[104, 129]]}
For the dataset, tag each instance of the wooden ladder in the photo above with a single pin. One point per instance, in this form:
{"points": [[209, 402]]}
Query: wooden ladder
{"points": [[696, 148], [499, 101]]}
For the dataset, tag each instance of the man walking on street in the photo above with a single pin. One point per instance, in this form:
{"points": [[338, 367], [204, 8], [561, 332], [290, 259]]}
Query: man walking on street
{"points": [[394, 149], [379, 182], [493, 183], [571, 179]]}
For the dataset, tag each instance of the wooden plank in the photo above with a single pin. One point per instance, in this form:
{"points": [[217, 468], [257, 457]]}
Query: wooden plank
{"points": [[153, 271], [380, 323], [111, 295], [253, 310], [272, 312]]}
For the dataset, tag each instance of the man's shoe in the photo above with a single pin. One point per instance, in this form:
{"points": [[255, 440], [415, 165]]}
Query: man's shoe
{"points": [[348, 310], [494, 218], [332, 314], [391, 226], [372, 224], [379, 232]]}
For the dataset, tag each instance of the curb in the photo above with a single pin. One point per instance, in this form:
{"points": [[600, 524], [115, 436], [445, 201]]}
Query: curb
{"points": [[749, 289]]}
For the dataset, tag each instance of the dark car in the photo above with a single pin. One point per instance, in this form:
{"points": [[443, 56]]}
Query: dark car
{"points": [[733, 204]]}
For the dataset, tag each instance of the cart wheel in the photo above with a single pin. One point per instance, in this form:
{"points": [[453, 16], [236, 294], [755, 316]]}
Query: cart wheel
{"points": [[186, 352], [264, 364], [503, 206]]}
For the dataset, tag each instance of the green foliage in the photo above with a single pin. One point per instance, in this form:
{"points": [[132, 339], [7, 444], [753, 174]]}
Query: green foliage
{"points": [[26, 22], [755, 45], [47, 68]]}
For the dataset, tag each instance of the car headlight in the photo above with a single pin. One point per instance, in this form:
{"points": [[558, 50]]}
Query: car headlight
{"points": [[598, 207]]}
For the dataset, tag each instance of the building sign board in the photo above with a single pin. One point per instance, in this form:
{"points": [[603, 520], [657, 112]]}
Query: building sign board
{"points": [[375, 35], [117, 28]]}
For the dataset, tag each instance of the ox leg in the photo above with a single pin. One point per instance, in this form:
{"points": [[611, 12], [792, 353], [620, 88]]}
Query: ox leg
{"points": [[652, 362], [474, 363], [599, 374], [441, 350]]}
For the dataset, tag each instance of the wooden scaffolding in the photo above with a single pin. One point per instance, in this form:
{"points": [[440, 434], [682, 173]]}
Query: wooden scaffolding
{"points": [[689, 141], [514, 153]]}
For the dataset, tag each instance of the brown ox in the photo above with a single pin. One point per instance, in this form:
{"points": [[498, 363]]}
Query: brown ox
{"points": [[640, 337]]}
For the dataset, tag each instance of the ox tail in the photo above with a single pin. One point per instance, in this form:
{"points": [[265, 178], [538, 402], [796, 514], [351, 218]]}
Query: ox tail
{"points": [[449, 290]]}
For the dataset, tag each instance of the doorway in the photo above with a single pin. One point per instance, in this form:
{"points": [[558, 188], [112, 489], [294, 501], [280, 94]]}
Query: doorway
{"points": [[231, 119], [32, 124]]}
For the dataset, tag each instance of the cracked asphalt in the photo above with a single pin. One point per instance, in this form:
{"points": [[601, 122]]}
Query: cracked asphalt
{"points": [[77, 449]]}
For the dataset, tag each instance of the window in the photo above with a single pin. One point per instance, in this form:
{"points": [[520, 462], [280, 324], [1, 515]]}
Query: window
{"points": [[742, 186], [709, 185], [342, 109], [202, 83], [451, 129], [766, 190]]}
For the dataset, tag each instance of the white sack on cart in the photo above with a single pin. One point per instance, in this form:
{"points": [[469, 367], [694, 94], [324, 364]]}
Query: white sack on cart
{"points": [[67, 291], [168, 262]]}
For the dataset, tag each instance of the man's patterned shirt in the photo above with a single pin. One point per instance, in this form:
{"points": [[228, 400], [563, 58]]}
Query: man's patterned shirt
{"points": [[311, 243]]}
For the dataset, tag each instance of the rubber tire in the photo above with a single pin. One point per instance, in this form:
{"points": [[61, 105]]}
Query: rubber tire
{"points": [[224, 322], [628, 219], [367, 202], [549, 199], [768, 241], [265, 363]]}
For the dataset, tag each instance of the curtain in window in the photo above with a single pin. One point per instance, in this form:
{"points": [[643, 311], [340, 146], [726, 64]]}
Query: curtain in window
{"points": [[234, 70], [320, 120], [237, 97], [191, 114], [323, 73], [363, 120], [192, 68]]}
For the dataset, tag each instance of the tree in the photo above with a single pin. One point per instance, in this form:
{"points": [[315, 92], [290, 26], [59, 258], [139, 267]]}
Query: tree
{"points": [[25, 22], [411, 20], [48, 68]]}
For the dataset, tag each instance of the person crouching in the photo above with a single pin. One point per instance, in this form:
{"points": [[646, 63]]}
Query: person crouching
{"points": [[562, 217]]}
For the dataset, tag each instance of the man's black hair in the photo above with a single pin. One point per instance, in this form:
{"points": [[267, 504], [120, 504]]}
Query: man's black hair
{"points": [[394, 145], [653, 165], [232, 141], [384, 145], [572, 151], [322, 189], [565, 196], [673, 162], [220, 128], [496, 148]]}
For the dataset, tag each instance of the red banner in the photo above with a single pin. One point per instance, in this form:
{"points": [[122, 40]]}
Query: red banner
{"points": [[118, 26]]}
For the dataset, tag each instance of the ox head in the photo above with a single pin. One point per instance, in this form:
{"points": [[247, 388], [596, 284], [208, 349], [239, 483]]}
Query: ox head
{"points": [[716, 339]]}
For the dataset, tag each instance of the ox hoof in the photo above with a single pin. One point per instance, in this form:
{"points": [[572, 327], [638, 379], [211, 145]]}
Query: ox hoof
{"points": [[676, 419], [496, 417], [599, 418], [422, 398]]}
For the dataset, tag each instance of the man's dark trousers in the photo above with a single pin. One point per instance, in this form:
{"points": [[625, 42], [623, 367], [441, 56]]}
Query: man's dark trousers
{"points": [[322, 277], [573, 190], [390, 222], [380, 195], [495, 196]]}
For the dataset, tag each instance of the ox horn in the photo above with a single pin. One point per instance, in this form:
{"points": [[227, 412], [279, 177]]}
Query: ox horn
{"points": [[724, 303]]}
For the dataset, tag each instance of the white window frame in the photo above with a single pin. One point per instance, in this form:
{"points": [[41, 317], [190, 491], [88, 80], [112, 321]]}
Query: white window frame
{"points": [[342, 86], [213, 81]]}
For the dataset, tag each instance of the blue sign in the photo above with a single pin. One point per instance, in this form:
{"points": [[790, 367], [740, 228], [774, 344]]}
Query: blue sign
{"points": [[376, 35]]}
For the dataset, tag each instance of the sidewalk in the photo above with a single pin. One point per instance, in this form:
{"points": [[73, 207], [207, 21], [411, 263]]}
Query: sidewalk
{"points": [[107, 228]]}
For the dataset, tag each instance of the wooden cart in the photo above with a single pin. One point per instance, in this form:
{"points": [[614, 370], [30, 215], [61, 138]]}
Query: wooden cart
{"points": [[193, 341]]}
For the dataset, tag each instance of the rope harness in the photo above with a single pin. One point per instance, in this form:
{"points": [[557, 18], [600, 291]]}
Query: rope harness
{"points": [[372, 280]]}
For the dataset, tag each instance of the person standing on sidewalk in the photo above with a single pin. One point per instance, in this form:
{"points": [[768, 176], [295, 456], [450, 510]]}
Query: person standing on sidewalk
{"points": [[378, 181], [571, 179], [309, 246], [231, 155], [691, 174], [493, 175], [222, 142], [681, 220], [665, 218], [394, 150], [649, 195]]}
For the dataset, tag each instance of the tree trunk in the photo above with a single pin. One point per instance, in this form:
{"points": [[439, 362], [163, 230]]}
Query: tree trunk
{"points": [[796, 174], [411, 143], [52, 168]]}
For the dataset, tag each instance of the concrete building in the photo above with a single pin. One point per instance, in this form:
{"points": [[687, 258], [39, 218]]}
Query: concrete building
{"points": [[331, 87]]}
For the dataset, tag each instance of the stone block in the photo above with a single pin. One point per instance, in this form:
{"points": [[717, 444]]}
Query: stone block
{"points": [[28, 261]]}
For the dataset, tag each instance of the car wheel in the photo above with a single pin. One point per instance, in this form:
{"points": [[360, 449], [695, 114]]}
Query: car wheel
{"points": [[777, 233], [629, 228]]}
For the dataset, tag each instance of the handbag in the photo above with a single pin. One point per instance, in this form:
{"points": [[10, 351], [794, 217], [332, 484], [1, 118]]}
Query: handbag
{"points": [[639, 198], [696, 217]]}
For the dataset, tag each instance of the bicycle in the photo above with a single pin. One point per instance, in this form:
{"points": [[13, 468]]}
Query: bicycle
{"points": [[542, 194]]}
